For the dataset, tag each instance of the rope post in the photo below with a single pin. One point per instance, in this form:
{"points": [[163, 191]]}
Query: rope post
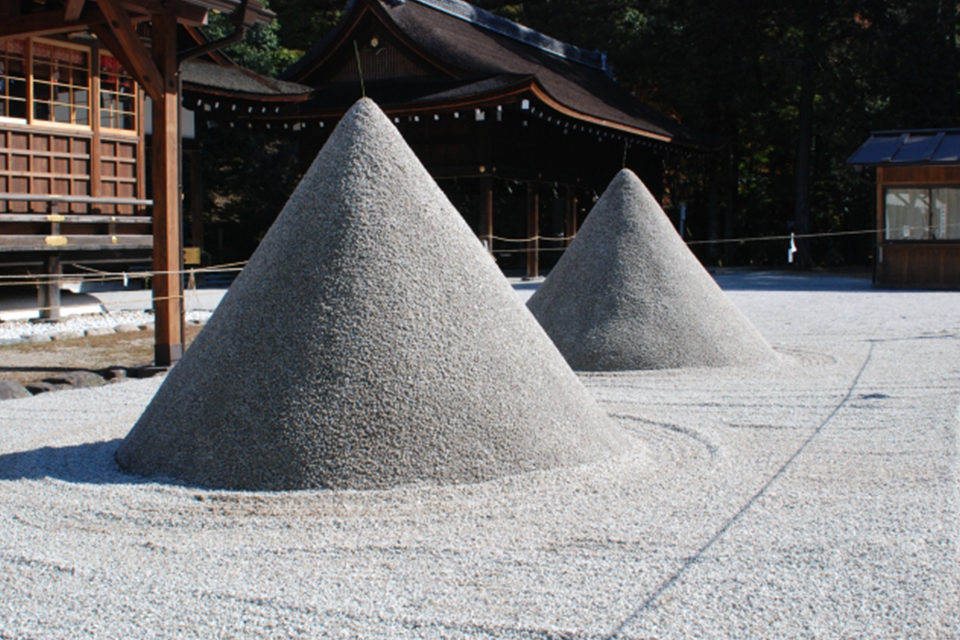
{"points": [[486, 216], [570, 216], [533, 231], [48, 294]]}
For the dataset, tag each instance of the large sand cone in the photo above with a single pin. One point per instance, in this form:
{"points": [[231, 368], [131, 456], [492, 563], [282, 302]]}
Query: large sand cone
{"points": [[369, 342], [629, 294]]}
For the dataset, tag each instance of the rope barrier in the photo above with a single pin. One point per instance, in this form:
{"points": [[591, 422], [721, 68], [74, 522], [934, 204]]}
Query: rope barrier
{"points": [[91, 274], [530, 239], [98, 275], [788, 236], [541, 250]]}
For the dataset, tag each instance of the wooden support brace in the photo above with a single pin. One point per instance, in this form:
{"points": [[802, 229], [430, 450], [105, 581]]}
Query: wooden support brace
{"points": [[186, 12], [107, 37], [143, 68], [72, 10]]}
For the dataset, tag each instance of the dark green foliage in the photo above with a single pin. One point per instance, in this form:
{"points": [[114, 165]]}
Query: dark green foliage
{"points": [[260, 50], [304, 22]]}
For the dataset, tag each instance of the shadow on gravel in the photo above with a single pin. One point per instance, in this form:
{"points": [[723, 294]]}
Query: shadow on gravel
{"points": [[779, 281], [90, 463]]}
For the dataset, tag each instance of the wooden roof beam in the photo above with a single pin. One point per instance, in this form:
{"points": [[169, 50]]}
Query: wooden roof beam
{"points": [[255, 13], [49, 22], [185, 12], [107, 38], [120, 26], [72, 10], [194, 12]]}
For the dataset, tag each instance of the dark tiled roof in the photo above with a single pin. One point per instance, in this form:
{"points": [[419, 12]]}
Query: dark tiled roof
{"points": [[206, 76], [925, 146], [475, 46], [491, 22]]}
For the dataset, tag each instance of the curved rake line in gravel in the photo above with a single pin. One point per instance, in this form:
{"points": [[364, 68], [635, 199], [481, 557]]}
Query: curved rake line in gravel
{"points": [[692, 560], [673, 428]]}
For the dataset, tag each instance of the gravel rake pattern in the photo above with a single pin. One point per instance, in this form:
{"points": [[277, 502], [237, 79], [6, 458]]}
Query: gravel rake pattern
{"points": [[620, 630]]}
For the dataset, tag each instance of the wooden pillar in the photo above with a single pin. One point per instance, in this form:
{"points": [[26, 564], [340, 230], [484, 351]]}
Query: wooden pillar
{"points": [[94, 187], [879, 269], [196, 199], [486, 216], [570, 213], [48, 294], [167, 241], [533, 231]]}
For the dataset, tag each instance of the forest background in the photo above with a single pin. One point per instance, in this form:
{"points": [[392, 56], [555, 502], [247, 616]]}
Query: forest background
{"points": [[793, 87]]}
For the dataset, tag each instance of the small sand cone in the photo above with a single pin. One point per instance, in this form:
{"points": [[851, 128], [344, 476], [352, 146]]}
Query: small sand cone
{"points": [[629, 294]]}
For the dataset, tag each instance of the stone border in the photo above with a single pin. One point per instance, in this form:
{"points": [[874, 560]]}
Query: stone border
{"points": [[76, 379], [79, 378]]}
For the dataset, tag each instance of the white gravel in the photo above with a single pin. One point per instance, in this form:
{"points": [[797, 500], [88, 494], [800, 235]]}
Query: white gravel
{"points": [[818, 499], [120, 311], [21, 330]]}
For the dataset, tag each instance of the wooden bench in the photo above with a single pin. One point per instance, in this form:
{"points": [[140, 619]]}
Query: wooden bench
{"points": [[58, 230]]}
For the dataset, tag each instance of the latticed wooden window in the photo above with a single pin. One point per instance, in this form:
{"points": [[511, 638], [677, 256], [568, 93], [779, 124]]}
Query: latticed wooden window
{"points": [[61, 84], [13, 79], [118, 96]]}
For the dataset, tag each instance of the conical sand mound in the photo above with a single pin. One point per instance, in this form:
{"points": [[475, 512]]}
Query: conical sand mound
{"points": [[629, 294], [369, 342]]}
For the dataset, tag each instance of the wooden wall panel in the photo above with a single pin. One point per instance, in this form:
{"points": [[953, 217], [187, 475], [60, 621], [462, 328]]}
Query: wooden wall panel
{"points": [[926, 264], [118, 171], [381, 63], [925, 174], [54, 162], [44, 162]]}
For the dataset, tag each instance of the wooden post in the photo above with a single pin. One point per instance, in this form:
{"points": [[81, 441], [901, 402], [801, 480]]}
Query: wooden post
{"points": [[879, 268], [570, 212], [486, 216], [167, 241], [196, 199], [533, 231], [49, 291]]}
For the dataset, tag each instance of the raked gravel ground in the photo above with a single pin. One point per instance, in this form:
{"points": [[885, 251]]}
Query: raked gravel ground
{"points": [[817, 498]]}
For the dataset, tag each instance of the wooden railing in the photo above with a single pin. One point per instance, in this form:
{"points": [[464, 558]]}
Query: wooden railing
{"points": [[53, 233]]}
